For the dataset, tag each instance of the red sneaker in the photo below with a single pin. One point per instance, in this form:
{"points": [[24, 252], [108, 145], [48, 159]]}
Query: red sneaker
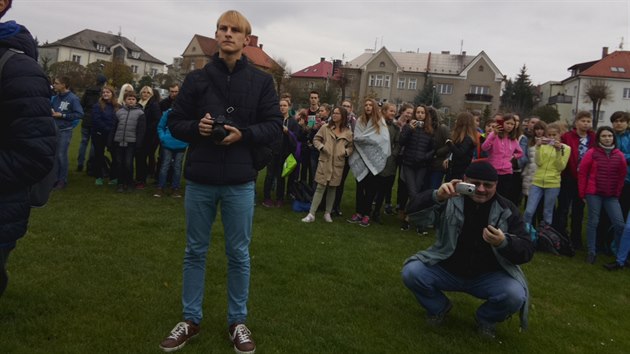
{"points": [[242, 339], [179, 336]]}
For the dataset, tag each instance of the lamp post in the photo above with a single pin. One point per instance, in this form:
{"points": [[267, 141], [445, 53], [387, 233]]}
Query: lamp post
{"points": [[433, 96]]}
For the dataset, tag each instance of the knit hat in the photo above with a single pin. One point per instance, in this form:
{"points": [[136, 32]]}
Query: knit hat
{"points": [[6, 8], [482, 170]]}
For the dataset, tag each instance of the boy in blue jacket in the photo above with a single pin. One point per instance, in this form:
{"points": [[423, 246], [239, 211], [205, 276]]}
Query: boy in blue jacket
{"points": [[173, 151]]}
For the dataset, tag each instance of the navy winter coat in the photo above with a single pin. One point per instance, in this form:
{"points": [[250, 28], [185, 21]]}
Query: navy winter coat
{"points": [[27, 130]]}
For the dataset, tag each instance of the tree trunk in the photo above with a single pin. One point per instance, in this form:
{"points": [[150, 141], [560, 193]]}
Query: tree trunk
{"points": [[595, 113]]}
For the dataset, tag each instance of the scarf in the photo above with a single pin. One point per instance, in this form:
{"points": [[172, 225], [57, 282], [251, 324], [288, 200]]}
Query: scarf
{"points": [[371, 149]]}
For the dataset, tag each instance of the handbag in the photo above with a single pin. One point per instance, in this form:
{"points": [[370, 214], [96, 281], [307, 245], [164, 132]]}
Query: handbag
{"points": [[290, 163]]}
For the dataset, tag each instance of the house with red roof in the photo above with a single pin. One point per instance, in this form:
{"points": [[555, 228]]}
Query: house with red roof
{"points": [[314, 77], [202, 48], [613, 69]]}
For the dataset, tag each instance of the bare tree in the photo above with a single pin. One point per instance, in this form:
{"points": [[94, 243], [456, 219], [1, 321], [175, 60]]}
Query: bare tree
{"points": [[279, 72], [597, 91]]}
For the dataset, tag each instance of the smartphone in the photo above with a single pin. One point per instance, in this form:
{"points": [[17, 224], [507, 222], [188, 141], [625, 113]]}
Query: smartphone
{"points": [[499, 123], [465, 188], [420, 124], [311, 121], [551, 142]]}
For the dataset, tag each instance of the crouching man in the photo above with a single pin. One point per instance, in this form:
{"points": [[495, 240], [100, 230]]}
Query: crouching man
{"points": [[480, 240]]}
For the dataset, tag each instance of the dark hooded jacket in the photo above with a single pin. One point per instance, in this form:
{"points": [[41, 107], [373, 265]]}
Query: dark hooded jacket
{"points": [[27, 130]]}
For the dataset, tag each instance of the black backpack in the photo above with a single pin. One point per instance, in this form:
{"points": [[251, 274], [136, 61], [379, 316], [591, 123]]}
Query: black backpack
{"points": [[552, 241]]}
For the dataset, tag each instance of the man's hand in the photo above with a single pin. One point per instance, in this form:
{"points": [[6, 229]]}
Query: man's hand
{"points": [[447, 190], [205, 125], [493, 235], [234, 135]]}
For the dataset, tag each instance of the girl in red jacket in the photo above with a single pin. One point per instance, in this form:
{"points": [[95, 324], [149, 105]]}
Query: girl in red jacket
{"points": [[601, 176]]}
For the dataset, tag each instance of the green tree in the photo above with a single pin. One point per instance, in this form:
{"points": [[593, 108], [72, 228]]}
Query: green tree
{"points": [[75, 71], [164, 80], [547, 113], [146, 80], [117, 73], [428, 95], [518, 96], [597, 91]]}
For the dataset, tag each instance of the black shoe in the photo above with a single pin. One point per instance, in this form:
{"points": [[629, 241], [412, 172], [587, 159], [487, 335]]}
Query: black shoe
{"points": [[591, 258], [80, 168], [404, 226], [436, 320], [613, 266], [376, 219], [421, 231], [389, 210]]}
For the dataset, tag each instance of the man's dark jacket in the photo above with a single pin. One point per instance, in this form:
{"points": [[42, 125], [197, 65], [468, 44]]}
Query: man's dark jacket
{"points": [[213, 89], [27, 130]]}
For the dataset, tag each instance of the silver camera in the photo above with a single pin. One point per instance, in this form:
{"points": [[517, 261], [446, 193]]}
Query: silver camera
{"points": [[465, 188]]}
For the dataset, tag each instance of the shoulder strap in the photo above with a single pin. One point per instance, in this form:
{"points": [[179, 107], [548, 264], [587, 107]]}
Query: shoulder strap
{"points": [[3, 60]]}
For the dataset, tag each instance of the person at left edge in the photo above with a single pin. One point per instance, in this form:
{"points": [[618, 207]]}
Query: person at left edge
{"points": [[221, 172]]}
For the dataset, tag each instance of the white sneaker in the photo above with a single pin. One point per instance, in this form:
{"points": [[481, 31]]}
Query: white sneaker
{"points": [[327, 217], [309, 218]]}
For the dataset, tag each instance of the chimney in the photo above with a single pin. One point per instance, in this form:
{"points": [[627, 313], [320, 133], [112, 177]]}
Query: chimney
{"points": [[260, 46], [321, 59], [253, 41], [464, 53], [604, 52]]}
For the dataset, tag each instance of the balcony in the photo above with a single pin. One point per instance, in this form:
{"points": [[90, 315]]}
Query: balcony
{"points": [[560, 99], [477, 97]]}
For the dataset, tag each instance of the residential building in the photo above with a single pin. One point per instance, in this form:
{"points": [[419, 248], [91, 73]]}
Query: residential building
{"points": [[88, 46], [202, 48], [317, 75], [553, 93], [613, 71], [464, 82]]}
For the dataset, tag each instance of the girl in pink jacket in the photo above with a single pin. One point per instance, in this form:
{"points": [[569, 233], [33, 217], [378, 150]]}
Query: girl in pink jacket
{"points": [[601, 176], [503, 150]]}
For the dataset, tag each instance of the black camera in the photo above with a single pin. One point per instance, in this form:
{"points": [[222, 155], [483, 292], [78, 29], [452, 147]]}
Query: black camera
{"points": [[218, 128]]}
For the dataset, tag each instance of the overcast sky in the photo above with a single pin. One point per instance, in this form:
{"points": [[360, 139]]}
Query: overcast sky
{"points": [[547, 36]]}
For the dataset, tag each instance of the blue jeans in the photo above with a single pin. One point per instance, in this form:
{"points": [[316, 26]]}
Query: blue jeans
{"points": [[85, 140], [237, 214], [535, 195], [624, 244], [171, 158], [613, 209], [63, 143], [504, 294]]}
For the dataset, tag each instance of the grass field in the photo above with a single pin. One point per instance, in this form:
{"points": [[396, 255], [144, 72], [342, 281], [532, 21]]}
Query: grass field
{"points": [[100, 272]]}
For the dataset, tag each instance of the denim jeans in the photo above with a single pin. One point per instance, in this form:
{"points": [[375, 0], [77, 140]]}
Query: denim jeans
{"points": [[504, 295], [613, 209], [4, 278], [535, 195], [624, 243], [171, 158], [237, 213], [124, 162], [63, 143], [568, 199], [85, 140]]}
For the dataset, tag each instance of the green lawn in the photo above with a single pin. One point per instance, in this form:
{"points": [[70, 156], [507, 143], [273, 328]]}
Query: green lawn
{"points": [[100, 272]]}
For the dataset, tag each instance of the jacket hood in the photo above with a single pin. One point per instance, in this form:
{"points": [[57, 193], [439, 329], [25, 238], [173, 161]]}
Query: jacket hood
{"points": [[16, 36]]}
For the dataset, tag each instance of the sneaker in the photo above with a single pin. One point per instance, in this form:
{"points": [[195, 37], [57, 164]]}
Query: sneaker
{"points": [[113, 182], [98, 182], [59, 185], [309, 218], [591, 258], [404, 226], [421, 231], [175, 193], [241, 336], [389, 210], [365, 221], [158, 193], [614, 266], [182, 332], [327, 217], [355, 219], [376, 218], [335, 212], [438, 319], [139, 186], [486, 330], [267, 203]]}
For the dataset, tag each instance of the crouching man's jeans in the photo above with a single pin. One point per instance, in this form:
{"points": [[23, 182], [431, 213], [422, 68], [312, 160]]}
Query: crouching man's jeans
{"points": [[503, 294], [4, 278], [237, 212]]}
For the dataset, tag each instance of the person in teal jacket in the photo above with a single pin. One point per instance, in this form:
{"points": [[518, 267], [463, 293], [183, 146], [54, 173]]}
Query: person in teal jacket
{"points": [[480, 241], [173, 151]]}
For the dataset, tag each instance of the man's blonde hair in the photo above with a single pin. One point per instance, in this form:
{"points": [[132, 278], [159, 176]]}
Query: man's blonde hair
{"points": [[236, 19]]}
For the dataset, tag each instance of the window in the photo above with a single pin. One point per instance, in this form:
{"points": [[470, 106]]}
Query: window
{"points": [[402, 82], [626, 93], [134, 69], [371, 82], [413, 84], [192, 65], [311, 85], [481, 68], [135, 55], [445, 89], [381, 64], [76, 58], [617, 69], [101, 48], [153, 72], [378, 82], [388, 80], [480, 90]]}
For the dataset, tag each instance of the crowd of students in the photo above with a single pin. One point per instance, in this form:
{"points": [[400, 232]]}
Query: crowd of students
{"points": [[550, 170]]}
